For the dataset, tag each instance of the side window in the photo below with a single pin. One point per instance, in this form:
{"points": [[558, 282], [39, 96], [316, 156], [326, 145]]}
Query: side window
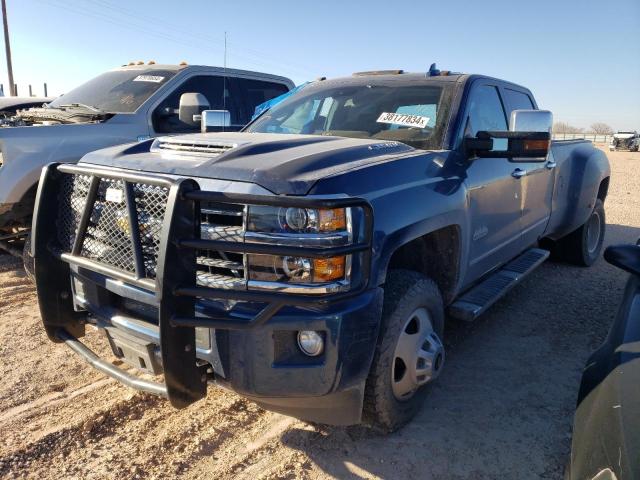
{"points": [[485, 111], [165, 116], [247, 94], [517, 100]]}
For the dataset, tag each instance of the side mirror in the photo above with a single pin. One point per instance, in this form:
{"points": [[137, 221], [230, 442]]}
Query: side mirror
{"points": [[529, 136], [531, 121], [191, 107], [212, 119], [626, 257]]}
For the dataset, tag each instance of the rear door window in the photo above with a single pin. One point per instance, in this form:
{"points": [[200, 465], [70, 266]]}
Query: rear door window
{"points": [[517, 100]]}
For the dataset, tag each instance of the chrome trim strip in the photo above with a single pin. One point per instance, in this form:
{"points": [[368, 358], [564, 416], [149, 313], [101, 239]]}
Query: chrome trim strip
{"points": [[300, 288], [229, 213], [300, 239]]}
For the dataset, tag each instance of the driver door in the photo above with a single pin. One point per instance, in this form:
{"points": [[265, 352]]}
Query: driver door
{"points": [[494, 192], [165, 118]]}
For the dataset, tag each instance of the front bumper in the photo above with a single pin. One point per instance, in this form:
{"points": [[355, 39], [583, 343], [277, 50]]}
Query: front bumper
{"points": [[249, 347]]}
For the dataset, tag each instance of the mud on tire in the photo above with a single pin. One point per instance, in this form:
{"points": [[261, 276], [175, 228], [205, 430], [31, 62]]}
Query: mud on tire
{"points": [[405, 292]]}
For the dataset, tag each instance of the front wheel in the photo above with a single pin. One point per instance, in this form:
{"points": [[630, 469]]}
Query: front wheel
{"points": [[409, 353], [583, 246]]}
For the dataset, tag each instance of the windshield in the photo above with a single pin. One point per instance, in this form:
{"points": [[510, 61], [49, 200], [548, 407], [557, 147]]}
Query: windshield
{"points": [[414, 114], [120, 91]]}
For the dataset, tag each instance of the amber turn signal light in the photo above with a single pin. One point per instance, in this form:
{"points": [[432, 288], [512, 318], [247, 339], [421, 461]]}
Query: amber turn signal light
{"points": [[329, 269], [536, 145], [332, 220]]}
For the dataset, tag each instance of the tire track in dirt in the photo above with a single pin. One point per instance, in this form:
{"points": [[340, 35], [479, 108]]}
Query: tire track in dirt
{"points": [[63, 442], [33, 407]]}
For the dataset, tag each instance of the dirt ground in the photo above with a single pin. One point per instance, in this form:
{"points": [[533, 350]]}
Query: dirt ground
{"points": [[502, 408]]}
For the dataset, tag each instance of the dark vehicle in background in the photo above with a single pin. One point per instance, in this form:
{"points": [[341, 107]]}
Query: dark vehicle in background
{"points": [[127, 104], [307, 261], [9, 106], [606, 432]]}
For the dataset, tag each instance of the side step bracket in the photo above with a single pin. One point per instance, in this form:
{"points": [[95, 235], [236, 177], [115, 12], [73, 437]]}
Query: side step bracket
{"points": [[477, 300]]}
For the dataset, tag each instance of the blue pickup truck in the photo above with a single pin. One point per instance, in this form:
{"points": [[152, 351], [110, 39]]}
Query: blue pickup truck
{"points": [[310, 261]]}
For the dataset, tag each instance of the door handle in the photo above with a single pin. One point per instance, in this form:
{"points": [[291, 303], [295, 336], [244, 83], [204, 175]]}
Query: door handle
{"points": [[518, 173], [551, 164]]}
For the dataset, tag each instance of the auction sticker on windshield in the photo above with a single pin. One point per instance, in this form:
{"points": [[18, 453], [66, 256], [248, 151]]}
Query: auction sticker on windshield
{"points": [[149, 78], [417, 121]]}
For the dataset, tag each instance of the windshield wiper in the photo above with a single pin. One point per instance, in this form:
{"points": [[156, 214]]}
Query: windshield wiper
{"points": [[95, 110]]}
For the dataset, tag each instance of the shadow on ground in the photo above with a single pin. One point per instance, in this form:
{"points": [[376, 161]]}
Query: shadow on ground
{"points": [[503, 407]]}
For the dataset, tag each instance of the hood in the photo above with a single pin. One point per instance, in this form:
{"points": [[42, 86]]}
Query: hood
{"points": [[55, 132], [14, 103], [284, 164]]}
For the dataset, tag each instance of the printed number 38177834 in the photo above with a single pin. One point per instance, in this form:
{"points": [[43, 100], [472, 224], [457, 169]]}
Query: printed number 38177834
{"points": [[401, 119]]}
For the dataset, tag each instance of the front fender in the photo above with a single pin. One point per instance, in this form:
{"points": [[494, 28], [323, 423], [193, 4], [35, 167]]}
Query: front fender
{"points": [[410, 197], [26, 150]]}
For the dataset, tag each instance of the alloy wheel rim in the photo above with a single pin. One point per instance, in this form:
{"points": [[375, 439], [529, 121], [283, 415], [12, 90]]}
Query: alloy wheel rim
{"points": [[418, 356]]}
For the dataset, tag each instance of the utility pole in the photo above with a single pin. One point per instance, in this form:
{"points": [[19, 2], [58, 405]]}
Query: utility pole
{"points": [[7, 47]]}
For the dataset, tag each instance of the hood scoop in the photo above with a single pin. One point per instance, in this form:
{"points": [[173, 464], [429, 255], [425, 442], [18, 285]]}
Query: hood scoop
{"points": [[191, 146]]}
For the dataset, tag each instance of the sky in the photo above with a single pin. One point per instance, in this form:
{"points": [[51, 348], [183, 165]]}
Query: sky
{"points": [[581, 58]]}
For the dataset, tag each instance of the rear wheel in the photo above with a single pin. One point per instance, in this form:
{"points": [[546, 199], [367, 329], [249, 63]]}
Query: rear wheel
{"points": [[409, 353], [583, 246]]}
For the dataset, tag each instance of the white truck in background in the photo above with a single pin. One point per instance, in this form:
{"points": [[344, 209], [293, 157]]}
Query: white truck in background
{"points": [[625, 141]]}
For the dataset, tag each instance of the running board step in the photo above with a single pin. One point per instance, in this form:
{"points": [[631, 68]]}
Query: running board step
{"points": [[474, 303]]}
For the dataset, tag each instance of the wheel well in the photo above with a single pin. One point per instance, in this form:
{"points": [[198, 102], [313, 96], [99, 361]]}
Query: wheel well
{"points": [[21, 212], [435, 255], [603, 189]]}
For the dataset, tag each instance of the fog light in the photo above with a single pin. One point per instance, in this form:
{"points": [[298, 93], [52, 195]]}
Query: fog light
{"points": [[310, 342]]}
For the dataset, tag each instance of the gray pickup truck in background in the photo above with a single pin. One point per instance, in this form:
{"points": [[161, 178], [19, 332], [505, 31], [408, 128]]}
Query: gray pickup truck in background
{"points": [[127, 104]]}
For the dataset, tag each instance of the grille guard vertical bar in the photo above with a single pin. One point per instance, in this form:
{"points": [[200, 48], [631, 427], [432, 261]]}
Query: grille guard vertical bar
{"points": [[185, 381], [86, 215], [52, 274], [134, 226]]}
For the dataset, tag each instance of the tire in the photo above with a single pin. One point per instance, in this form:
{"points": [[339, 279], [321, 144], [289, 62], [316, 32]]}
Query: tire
{"points": [[28, 261], [580, 247], [406, 292]]}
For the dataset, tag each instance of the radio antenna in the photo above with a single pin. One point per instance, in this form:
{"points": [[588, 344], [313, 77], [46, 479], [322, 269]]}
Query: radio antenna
{"points": [[224, 78]]}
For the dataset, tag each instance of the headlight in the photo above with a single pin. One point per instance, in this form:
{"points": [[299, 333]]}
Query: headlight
{"points": [[1, 159], [269, 268], [301, 227], [297, 220]]}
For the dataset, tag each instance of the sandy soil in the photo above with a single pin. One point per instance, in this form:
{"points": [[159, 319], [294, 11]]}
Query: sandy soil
{"points": [[502, 409]]}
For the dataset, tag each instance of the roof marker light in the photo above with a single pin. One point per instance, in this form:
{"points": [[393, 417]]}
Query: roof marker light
{"points": [[433, 71]]}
